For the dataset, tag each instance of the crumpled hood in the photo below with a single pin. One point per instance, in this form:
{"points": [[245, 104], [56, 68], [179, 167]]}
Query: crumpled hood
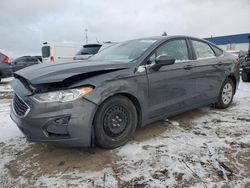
{"points": [[57, 72]]}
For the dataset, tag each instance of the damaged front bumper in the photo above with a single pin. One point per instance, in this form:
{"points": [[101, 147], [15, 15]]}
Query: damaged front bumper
{"points": [[68, 123]]}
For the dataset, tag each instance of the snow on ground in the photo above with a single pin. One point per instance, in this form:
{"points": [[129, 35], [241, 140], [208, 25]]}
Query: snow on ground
{"points": [[206, 147], [5, 88], [8, 128]]}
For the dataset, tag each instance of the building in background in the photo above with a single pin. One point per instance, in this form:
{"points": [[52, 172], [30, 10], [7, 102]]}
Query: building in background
{"points": [[232, 42]]}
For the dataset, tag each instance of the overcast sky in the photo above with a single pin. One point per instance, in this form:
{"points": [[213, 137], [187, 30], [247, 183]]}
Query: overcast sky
{"points": [[26, 24]]}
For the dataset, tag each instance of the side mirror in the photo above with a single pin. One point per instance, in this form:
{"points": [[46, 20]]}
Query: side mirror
{"points": [[162, 61]]}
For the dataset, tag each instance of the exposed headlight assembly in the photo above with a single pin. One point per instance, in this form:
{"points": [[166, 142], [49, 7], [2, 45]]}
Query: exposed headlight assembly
{"points": [[62, 96]]}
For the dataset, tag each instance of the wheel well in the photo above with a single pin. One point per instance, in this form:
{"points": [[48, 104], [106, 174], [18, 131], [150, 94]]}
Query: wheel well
{"points": [[135, 101], [231, 77]]}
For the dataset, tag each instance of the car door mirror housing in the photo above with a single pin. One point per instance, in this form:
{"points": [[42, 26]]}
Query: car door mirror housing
{"points": [[162, 61]]}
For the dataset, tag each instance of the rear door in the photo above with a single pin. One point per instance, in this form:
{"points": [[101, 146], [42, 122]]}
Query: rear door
{"points": [[171, 88], [208, 70]]}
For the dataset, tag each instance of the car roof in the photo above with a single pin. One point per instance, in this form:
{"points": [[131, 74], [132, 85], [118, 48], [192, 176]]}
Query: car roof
{"points": [[169, 37], [163, 38]]}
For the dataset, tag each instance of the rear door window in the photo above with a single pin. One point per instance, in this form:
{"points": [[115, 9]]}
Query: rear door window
{"points": [[89, 50], [202, 50], [22, 60], [32, 59], [19, 60], [45, 51]]}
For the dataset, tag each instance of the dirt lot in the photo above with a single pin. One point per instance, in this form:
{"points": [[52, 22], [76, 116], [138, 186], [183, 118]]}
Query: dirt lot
{"points": [[206, 147]]}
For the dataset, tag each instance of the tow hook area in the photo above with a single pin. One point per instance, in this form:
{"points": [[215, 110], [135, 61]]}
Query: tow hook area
{"points": [[58, 126]]}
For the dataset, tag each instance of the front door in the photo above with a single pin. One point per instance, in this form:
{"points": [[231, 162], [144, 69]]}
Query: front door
{"points": [[172, 87]]}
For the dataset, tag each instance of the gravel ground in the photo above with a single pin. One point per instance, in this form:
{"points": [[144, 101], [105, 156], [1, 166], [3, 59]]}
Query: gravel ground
{"points": [[206, 147]]}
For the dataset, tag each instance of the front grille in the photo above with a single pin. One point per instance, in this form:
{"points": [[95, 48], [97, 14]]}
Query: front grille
{"points": [[20, 107]]}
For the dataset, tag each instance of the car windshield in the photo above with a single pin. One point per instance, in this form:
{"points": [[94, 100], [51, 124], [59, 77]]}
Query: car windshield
{"points": [[89, 50], [19, 59], [124, 52]]}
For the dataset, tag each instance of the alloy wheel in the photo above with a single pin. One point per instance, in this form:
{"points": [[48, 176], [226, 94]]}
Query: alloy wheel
{"points": [[227, 93]]}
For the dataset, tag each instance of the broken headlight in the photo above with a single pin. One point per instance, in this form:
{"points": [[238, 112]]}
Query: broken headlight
{"points": [[62, 96]]}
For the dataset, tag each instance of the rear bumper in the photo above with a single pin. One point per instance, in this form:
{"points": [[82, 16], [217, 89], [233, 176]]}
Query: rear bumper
{"points": [[67, 124]]}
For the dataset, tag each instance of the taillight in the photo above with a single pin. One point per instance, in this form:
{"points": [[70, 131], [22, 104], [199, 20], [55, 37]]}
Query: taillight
{"points": [[6, 60], [52, 58]]}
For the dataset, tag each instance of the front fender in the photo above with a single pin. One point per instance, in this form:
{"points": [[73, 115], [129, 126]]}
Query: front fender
{"points": [[110, 88], [135, 86]]}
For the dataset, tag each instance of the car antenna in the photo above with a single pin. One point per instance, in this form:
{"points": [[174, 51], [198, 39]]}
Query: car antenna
{"points": [[164, 33]]}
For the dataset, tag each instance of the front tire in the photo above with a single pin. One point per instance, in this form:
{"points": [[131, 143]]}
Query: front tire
{"points": [[245, 76], [226, 94], [115, 122]]}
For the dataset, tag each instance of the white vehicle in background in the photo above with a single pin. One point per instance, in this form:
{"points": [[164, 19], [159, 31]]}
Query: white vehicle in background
{"points": [[89, 50], [234, 52], [55, 51]]}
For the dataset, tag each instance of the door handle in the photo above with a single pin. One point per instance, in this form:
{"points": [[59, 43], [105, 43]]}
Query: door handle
{"points": [[188, 67]]}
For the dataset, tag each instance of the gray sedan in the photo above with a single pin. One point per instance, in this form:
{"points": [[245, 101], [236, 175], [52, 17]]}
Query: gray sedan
{"points": [[131, 84]]}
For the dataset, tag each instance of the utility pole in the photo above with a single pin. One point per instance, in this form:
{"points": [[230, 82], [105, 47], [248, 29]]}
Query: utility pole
{"points": [[86, 32]]}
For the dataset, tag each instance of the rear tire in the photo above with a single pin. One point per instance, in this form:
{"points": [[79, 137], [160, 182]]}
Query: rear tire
{"points": [[245, 76], [226, 94], [115, 122]]}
